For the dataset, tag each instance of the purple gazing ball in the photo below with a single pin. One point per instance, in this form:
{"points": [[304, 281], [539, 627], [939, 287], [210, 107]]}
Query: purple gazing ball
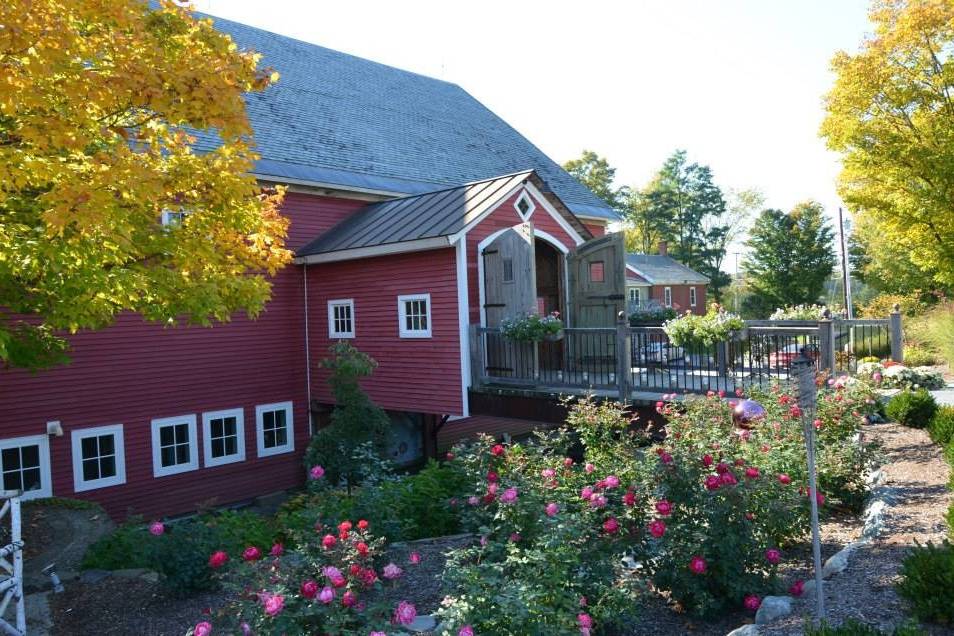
{"points": [[747, 412]]}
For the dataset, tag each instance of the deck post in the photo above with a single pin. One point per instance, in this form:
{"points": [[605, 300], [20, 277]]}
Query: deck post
{"points": [[826, 344], [476, 356], [624, 352], [722, 357], [897, 348]]}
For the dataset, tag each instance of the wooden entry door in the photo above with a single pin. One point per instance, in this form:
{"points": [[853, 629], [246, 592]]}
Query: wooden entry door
{"points": [[510, 281], [597, 273]]}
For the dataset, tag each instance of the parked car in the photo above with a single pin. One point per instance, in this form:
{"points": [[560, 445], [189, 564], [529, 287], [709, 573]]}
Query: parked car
{"points": [[783, 357], [659, 352]]}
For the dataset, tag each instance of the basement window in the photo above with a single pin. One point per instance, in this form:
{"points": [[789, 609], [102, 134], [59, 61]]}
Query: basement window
{"points": [[174, 445], [25, 465], [223, 437], [98, 457], [274, 428]]}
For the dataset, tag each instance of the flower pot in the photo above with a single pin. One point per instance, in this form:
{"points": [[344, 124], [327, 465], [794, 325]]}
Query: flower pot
{"points": [[554, 337]]}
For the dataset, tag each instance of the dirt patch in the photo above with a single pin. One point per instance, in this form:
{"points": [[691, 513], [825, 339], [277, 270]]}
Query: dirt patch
{"points": [[917, 474]]}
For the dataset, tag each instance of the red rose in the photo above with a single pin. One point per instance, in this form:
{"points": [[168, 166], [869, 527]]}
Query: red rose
{"points": [[218, 559], [252, 554]]}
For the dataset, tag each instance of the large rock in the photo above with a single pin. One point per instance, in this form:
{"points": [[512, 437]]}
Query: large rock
{"points": [[837, 562], [745, 630], [772, 608], [874, 518]]}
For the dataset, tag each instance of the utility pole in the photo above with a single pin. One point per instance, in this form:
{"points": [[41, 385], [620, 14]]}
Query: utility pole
{"points": [[738, 281], [846, 275]]}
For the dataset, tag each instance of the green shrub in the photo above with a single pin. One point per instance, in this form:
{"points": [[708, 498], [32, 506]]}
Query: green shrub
{"points": [[927, 582], [122, 548], [950, 520], [917, 356], [425, 505], [350, 448], [941, 427], [852, 627], [912, 408], [936, 330]]}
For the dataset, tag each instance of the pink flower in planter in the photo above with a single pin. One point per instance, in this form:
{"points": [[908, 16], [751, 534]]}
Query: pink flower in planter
{"points": [[707, 460], [611, 526], [466, 630], [218, 559], [552, 509], [202, 629], [752, 472], [784, 479], [328, 541], [657, 528], [274, 604], [752, 602], [713, 482], [156, 528], [589, 468], [629, 499], [611, 481], [797, 588], [509, 496], [877, 377], [316, 472], [277, 550], [391, 571], [309, 589], [348, 599], [773, 556], [405, 613], [663, 507], [697, 565], [414, 558], [326, 595], [252, 553]]}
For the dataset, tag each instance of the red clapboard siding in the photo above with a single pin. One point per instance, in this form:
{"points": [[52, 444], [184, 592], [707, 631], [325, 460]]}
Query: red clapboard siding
{"points": [[414, 374], [133, 372], [596, 228], [504, 216]]}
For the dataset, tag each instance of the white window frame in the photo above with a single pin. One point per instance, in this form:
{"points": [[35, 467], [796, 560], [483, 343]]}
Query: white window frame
{"points": [[173, 218], [341, 302], [692, 296], [207, 460], [289, 445], [76, 439], [402, 316], [46, 478], [634, 295], [667, 296], [158, 470], [532, 206]]}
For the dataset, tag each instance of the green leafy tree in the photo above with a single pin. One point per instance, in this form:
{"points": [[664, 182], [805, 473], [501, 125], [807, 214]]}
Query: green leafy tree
{"points": [[791, 257], [351, 447], [597, 174], [891, 116]]}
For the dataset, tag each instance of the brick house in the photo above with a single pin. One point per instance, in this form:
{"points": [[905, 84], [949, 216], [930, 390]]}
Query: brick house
{"points": [[660, 280]]}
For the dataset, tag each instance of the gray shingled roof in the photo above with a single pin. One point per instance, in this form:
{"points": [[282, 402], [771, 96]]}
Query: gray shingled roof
{"points": [[341, 120], [659, 270]]}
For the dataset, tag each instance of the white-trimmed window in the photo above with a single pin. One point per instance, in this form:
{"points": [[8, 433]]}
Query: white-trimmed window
{"points": [[274, 428], [174, 445], [341, 318], [25, 465], [667, 296], [524, 205], [692, 296], [223, 437], [98, 457], [634, 295], [414, 315]]}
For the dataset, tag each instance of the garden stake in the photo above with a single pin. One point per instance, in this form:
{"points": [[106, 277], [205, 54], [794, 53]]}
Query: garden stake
{"points": [[803, 370]]}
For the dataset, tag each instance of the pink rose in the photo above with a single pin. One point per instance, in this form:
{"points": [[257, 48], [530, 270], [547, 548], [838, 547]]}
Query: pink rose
{"points": [[697, 565], [611, 526], [218, 559], [328, 541], [586, 493], [728, 479], [349, 599], [784, 479], [752, 472], [466, 630], [713, 482], [629, 499], [156, 529], [202, 629], [326, 595], [405, 613], [498, 450], [414, 558], [277, 550], [752, 602], [252, 553], [611, 481], [657, 528], [473, 500], [773, 556], [391, 571], [509, 496], [274, 604], [663, 507], [309, 589], [552, 509], [722, 468], [797, 588], [707, 460], [585, 621], [567, 461], [316, 472], [589, 468], [548, 473]]}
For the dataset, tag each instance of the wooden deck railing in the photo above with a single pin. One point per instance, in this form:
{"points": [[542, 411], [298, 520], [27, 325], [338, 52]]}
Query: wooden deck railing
{"points": [[628, 361]]}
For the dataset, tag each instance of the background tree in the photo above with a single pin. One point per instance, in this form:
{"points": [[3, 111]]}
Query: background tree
{"points": [[97, 102], [597, 174], [790, 258], [891, 115]]}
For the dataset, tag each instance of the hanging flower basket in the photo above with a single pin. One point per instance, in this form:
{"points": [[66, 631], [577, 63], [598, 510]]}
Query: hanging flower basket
{"points": [[554, 337], [716, 326], [532, 328]]}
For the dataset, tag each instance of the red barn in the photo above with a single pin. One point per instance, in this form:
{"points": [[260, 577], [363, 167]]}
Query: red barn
{"points": [[415, 212]]}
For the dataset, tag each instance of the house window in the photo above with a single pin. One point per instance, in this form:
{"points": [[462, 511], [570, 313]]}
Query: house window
{"points": [[174, 445], [341, 318], [508, 270], [596, 272], [98, 457], [525, 206], [634, 295], [692, 296], [25, 465], [415, 316], [274, 428], [667, 296], [173, 218], [223, 437]]}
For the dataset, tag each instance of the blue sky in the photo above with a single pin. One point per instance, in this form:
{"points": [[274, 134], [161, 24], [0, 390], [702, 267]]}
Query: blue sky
{"points": [[738, 83]]}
